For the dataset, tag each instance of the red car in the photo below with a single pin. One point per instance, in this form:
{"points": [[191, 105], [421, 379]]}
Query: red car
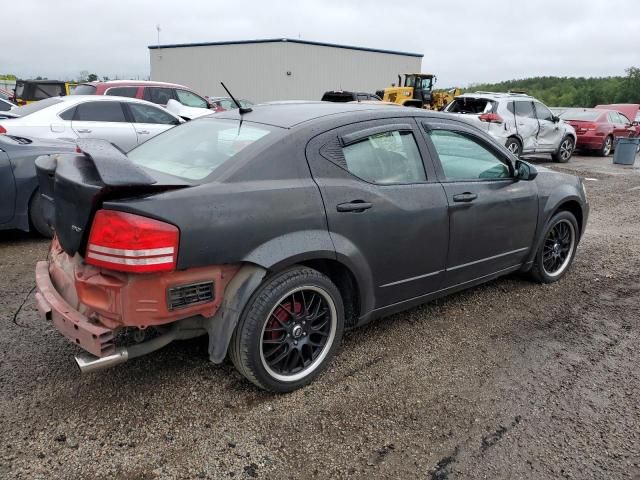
{"points": [[598, 129], [629, 110], [155, 92]]}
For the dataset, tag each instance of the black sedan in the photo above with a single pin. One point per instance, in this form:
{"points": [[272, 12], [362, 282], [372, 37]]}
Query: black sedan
{"points": [[274, 229], [19, 201]]}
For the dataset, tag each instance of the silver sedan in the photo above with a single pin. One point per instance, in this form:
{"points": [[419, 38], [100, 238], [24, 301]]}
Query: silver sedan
{"points": [[125, 122]]}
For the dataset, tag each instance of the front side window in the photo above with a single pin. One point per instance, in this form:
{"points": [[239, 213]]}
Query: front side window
{"points": [[463, 158], [386, 158], [142, 113], [158, 95], [543, 113], [195, 149], [189, 99], [525, 109], [130, 92], [99, 112]]}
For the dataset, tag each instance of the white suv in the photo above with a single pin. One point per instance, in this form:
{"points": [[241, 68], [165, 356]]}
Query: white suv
{"points": [[522, 123]]}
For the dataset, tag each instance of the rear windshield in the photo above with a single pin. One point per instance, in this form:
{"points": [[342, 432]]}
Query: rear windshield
{"points": [[588, 115], [84, 89], [471, 105], [197, 148], [337, 97], [36, 106]]}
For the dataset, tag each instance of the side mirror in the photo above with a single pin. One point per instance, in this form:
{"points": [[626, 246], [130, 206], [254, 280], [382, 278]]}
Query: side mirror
{"points": [[525, 171], [555, 119]]}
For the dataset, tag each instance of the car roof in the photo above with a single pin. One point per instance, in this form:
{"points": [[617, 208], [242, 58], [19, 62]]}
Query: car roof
{"points": [[288, 114], [136, 83], [495, 95], [629, 110]]}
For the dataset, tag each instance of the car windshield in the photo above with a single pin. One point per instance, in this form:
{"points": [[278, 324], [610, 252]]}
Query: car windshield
{"points": [[584, 116], [197, 148], [36, 106]]}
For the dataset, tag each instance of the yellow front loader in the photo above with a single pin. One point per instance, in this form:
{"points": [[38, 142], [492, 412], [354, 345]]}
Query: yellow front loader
{"points": [[417, 91]]}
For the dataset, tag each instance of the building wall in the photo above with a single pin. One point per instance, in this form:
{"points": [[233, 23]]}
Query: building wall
{"points": [[258, 71]]}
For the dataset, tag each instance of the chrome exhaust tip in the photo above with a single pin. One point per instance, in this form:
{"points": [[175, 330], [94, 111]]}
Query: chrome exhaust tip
{"points": [[88, 363]]}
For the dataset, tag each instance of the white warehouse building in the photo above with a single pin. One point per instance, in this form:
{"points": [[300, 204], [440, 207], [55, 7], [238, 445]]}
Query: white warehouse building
{"points": [[279, 69]]}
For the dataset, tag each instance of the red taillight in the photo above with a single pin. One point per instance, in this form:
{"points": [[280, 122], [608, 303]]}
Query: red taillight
{"points": [[590, 126], [131, 243], [491, 118], [2, 129]]}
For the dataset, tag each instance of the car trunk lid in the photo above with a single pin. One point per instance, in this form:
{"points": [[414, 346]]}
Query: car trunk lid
{"points": [[73, 187]]}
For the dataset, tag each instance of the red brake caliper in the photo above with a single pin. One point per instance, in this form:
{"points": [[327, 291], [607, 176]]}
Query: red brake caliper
{"points": [[283, 316]]}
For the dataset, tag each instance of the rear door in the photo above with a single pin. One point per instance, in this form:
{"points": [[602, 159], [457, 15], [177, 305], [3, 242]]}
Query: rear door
{"points": [[7, 189], [549, 134], [149, 120], [106, 121], [526, 124], [492, 215], [159, 95], [383, 206]]}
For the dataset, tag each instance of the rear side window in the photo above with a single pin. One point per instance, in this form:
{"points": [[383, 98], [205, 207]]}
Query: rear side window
{"points": [[147, 114], [386, 158], [524, 109], [158, 95], [84, 89], [471, 105], [190, 99], [5, 106], [463, 158], [99, 112], [195, 149], [130, 92]]}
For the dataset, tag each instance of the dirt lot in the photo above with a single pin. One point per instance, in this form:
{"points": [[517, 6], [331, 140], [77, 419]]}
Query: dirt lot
{"points": [[509, 380]]}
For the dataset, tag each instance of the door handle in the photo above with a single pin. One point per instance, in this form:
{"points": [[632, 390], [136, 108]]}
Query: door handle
{"points": [[143, 132], [84, 130], [355, 206], [465, 197]]}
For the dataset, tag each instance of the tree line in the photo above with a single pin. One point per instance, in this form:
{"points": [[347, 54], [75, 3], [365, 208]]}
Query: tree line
{"points": [[573, 91]]}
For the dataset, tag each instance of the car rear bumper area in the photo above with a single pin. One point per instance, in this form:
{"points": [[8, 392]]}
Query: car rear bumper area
{"points": [[93, 338]]}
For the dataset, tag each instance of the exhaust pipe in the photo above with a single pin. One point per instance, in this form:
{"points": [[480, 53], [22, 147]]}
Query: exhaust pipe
{"points": [[88, 363], [185, 329]]}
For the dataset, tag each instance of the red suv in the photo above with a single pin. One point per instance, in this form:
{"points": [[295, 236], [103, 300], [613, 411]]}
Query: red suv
{"points": [[155, 92]]}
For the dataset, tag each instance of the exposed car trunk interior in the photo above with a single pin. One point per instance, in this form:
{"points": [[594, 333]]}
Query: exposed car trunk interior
{"points": [[472, 105]]}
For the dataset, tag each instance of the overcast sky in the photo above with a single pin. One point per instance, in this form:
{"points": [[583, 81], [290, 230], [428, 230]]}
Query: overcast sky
{"points": [[463, 42]]}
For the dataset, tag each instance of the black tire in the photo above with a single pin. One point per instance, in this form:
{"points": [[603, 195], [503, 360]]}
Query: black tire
{"points": [[514, 146], [607, 147], [255, 337], [565, 150], [543, 270], [36, 217]]}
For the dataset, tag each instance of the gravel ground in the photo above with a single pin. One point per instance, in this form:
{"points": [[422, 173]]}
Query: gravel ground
{"points": [[508, 380]]}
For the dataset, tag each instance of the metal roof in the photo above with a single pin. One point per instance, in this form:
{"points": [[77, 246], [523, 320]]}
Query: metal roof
{"points": [[288, 40]]}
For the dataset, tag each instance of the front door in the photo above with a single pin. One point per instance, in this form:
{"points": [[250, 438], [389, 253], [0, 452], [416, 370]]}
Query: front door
{"points": [[492, 215], [7, 189], [385, 209], [149, 120], [104, 120], [550, 134], [526, 124]]}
